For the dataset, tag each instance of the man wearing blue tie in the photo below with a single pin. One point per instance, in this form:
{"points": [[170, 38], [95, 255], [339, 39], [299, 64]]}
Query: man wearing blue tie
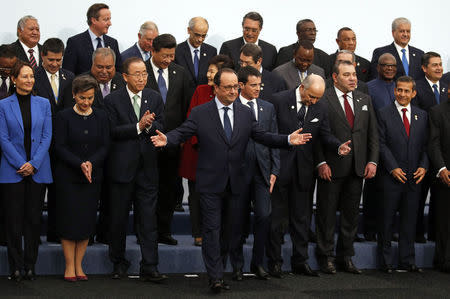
{"points": [[143, 47]]}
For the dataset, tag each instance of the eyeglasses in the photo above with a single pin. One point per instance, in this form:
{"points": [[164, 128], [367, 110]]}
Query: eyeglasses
{"points": [[230, 87], [388, 65], [139, 75], [313, 30], [198, 35]]}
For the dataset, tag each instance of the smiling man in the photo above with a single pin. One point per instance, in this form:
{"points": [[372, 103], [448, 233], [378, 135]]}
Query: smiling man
{"points": [[27, 45], [143, 47]]}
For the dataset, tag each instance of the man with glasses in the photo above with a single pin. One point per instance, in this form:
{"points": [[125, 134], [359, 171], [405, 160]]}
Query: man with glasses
{"points": [[252, 24]]}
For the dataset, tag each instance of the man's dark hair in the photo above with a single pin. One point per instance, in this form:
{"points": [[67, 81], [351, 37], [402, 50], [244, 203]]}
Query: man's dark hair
{"points": [[94, 11], [7, 51], [222, 61], [406, 79], [253, 15], [84, 83], [165, 40], [339, 63], [54, 45], [245, 72], [301, 22], [343, 29], [252, 50], [427, 56], [219, 74], [128, 62], [305, 44]]}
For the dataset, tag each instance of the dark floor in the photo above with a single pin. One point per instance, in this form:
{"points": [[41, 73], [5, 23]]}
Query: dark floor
{"points": [[372, 284]]}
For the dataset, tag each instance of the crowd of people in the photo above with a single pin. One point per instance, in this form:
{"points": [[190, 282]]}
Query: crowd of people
{"points": [[99, 132]]}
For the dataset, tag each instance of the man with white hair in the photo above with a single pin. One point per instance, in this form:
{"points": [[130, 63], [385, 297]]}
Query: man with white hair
{"points": [[408, 58], [143, 47], [27, 45]]}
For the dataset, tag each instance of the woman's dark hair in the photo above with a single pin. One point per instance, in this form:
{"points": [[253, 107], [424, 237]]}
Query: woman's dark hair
{"points": [[84, 83], [222, 61]]}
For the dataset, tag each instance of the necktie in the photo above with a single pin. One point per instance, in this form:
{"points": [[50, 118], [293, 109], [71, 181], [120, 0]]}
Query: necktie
{"points": [[54, 87], [227, 123], [136, 108], [162, 85], [32, 59], [405, 62], [348, 111], [3, 88], [105, 90], [405, 121], [99, 42], [252, 107], [302, 76], [146, 56], [301, 116], [436, 93], [196, 62]]}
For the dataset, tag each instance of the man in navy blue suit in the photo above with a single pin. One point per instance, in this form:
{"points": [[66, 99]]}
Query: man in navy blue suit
{"points": [[143, 47], [408, 58], [224, 128], [194, 54], [27, 45], [403, 133], [79, 48]]}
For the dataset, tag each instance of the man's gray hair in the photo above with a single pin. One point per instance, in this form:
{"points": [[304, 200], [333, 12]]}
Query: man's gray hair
{"points": [[149, 25], [194, 20], [104, 52], [346, 52], [311, 80], [386, 55], [23, 21], [399, 21]]}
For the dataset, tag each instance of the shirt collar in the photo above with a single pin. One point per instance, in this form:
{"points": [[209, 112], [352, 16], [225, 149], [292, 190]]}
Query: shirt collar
{"points": [[339, 93], [256, 43], [156, 68], [400, 107], [93, 36], [220, 105], [50, 74], [192, 47], [399, 48], [140, 50], [131, 94], [35, 48], [431, 83], [245, 101]]}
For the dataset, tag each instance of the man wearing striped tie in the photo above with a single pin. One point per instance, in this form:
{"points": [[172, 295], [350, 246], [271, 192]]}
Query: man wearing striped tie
{"points": [[27, 45]]}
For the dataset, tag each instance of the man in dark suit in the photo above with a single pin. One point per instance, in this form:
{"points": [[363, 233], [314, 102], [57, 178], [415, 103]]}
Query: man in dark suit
{"points": [[346, 40], [403, 131], [446, 77], [431, 91], [408, 58], [79, 48], [172, 82], [293, 193], [294, 72], [194, 54], [251, 55], [252, 24], [27, 45], [135, 113], [224, 128], [144, 45], [439, 154], [53, 83], [349, 56], [306, 30], [340, 178], [8, 58]]}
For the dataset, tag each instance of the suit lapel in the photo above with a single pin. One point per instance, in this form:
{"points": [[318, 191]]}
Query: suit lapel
{"points": [[151, 80], [334, 102], [128, 106], [34, 107], [237, 122], [398, 58], [214, 114], [292, 109], [46, 84], [15, 109], [398, 121], [293, 74], [203, 60], [357, 108], [188, 57], [88, 42]]}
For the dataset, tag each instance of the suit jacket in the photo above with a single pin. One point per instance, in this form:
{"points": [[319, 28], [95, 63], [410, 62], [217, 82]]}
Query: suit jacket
{"points": [[128, 150], [301, 158], [381, 93], [364, 136], [415, 64], [183, 57], [270, 84], [289, 72], [79, 49], [178, 94], [11, 140], [439, 143], [232, 48], [132, 51], [321, 58], [221, 162], [446, 77], [361, 87], [425, 98], [20, 52], [362, 67], [267, 159], [399, 151], [43, 88]]}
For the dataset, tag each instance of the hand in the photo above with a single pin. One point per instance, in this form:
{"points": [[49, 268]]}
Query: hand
{"points": [[273, 178], [344, 148], [159, 140], [26, 169], [444, 175], [325, 172], [370, 171], [297, 139], [399, 175], [419, 174], [86, 168], [146, 120]]}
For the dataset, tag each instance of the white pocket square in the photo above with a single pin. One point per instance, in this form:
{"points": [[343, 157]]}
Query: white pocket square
{"points": [[314, 120], [364, 108]]}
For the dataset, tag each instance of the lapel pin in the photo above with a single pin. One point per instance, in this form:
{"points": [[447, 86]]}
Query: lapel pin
{"points": [[174, 72], [414, 54], [357, 64], [292, 107], [357, 100], [261, 88], [204, 54], [114, 86], [145, 101], [262, 84], [415, 116], [261, 109], [63, 76], [443, 89]]}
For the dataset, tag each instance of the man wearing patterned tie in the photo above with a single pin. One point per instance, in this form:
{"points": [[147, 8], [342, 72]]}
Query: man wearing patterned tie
{"points": [[172, 82], [403, 131], [27, 45], [408, 57], [143, 47]]}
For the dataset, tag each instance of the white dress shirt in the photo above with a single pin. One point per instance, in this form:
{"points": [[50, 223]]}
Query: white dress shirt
{"points": [[35, 53], [222, 112], [431, 84], [298, 100], [400, 53], [192, 51], [408, 111], [141, 51], [340, 96], [165, 73], [94, 39], [246, 102], [138, 101]]}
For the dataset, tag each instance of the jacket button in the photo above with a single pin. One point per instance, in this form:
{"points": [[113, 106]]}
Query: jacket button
{"points": [[86, 132]]}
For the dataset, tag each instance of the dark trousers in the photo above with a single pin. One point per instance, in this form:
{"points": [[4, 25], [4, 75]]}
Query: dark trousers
{"points": [[194, 210], [442, 253], [26, 200], [406, 203], [427, 185], [51, 213], [144, 198], [102, 234], [341, 194], [370, 205]]}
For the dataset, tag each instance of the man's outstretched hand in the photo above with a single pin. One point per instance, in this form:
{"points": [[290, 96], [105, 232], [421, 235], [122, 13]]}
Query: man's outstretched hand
{"points": [[297, 139], [159, 140]]}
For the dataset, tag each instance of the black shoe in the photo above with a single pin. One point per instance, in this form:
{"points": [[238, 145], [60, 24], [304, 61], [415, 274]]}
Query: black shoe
{"points": [[259, 272], [370, 237], [328, 267], [410, 268], [304, 269], [237, 275], [30, 275], [387, 269], [120, 270], [154, 276], [275, 271], [359, 239], [53, 239], [16, 276], [168, 239], [348, 266], [218, 285], [179, 208], [421, 239]]}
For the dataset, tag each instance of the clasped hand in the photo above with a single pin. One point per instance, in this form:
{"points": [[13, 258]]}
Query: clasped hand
{"points": [[146, 120], [86, 168], [26, 169]]}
